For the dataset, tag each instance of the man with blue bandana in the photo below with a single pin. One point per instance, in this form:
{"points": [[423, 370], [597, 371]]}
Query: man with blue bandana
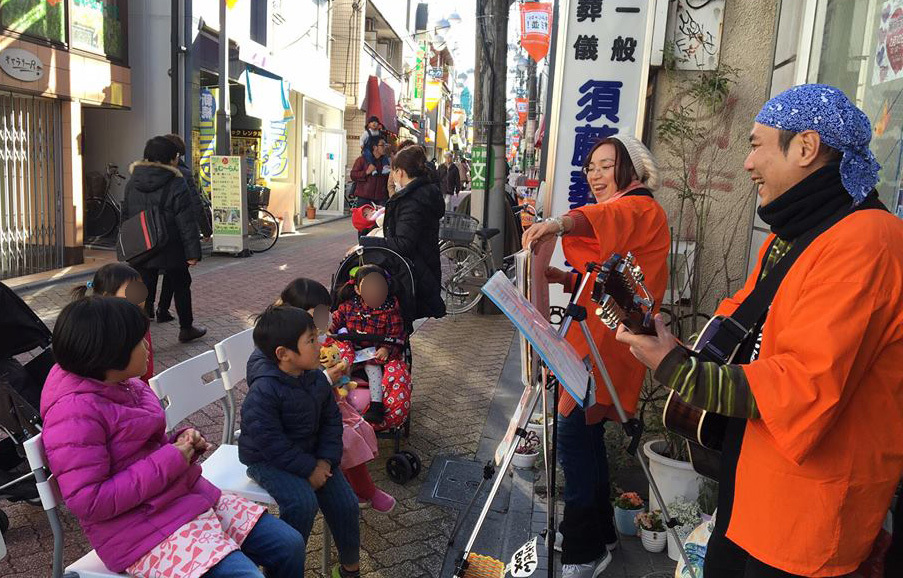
{"points": [[814, 446]]}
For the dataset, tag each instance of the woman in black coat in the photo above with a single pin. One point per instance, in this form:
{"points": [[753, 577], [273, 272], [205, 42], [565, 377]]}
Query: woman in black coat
{"points": [[411, 227], [156, 182]]}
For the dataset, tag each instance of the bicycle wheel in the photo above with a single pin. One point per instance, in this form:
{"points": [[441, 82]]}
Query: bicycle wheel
{"points": [[263, 231], [101, 218], [464, 271]]}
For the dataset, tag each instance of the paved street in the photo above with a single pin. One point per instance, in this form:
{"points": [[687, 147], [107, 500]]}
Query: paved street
{"points": [[451, 401]]}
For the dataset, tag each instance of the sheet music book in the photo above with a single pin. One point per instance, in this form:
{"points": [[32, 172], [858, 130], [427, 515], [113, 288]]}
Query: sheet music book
{"points": [[554, 350]]}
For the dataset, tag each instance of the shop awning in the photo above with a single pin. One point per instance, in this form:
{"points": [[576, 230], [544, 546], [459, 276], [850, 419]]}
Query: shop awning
{"points": [[380, 102]]}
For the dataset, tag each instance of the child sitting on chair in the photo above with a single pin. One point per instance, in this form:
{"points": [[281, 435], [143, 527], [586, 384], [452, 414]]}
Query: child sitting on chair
{"points": [[291, 432], [358, 438], [138, 493], [365, 306]]}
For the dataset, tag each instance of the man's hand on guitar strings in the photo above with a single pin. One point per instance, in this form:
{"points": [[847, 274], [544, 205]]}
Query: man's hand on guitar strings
{"points": [[649, 349]]}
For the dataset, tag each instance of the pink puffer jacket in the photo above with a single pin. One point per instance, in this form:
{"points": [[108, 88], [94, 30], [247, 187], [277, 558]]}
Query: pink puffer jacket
{"points": [[118, 471]]}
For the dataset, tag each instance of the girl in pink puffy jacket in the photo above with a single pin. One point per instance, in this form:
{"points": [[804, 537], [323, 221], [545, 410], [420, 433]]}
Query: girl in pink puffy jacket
{"points": [[138, 493]]}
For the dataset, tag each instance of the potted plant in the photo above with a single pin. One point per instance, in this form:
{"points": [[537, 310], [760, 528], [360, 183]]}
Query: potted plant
{"points": [[527, 452], [669, 464], [627, 506], [652, 530], [311, 193], [537, 423], [708, 499], [688, 516]]}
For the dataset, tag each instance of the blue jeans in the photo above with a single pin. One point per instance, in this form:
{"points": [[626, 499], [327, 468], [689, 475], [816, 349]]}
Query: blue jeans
{"points": [[272, 544], [588, 521], [298, 505]]}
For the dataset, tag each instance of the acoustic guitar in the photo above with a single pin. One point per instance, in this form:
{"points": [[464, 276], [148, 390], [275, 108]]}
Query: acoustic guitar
{"points": [[623, 298]]}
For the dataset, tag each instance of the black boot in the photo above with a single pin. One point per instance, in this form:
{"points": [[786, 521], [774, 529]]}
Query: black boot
{"points": [[376, 412], [149, 311], [187, 334], [163, 316]]}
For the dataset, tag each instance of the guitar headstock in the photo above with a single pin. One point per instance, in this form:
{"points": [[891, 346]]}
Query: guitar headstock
{"points": [[621, 294]]}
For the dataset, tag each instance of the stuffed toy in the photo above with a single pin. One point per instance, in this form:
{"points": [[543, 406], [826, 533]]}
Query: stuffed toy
{"points": [[330, 356]]}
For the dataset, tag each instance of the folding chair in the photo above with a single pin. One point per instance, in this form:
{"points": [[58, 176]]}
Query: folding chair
{"points": [[232, 354], [89, 565]]}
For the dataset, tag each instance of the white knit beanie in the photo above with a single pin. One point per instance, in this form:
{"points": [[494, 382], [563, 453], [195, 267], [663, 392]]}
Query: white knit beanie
{"points": [[643, 162]]}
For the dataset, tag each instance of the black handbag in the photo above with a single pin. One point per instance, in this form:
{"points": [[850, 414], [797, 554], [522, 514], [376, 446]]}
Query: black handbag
{"points": [[143, 235]]}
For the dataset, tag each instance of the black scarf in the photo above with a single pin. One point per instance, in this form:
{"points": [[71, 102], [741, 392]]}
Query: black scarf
{"points": [[807, 203]]}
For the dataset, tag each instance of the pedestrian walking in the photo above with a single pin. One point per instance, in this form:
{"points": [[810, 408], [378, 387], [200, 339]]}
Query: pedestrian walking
{"points": [[156, 182]]}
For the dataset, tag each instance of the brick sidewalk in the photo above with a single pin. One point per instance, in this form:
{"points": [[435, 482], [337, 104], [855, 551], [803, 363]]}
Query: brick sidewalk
{"points": [[457, 362]]}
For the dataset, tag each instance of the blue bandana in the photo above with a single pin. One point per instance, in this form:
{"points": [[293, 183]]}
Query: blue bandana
{"points": [[841, 125]]}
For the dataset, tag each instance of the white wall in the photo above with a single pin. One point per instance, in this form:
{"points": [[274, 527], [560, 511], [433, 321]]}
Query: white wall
{"points": [[118, 136]]}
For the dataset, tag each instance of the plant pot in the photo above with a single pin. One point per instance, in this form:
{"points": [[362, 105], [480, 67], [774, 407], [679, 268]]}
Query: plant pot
{"points": [[653, 540], [311, 213], [525, 461], [673, 549], [675, 479], [625, 521], [535, 428]]}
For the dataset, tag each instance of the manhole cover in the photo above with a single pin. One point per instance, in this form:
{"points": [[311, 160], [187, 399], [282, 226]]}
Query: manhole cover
{"points": [[453, 481]]}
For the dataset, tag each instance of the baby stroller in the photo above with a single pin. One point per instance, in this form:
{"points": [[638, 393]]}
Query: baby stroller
{"points": [[21, 332], [404, 465]]}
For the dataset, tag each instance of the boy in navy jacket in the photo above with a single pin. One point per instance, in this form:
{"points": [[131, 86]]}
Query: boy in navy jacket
{"points": [[291, 438]]}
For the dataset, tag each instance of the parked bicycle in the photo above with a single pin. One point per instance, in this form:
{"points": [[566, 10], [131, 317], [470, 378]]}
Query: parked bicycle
{"points": [[102, 211], [263, 227], [466, 259], [330, 196]]}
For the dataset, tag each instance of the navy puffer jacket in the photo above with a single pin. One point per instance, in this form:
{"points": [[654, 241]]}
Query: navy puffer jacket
{"points": [[288, 422]]}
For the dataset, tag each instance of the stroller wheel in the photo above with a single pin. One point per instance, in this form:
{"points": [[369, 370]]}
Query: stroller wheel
{"points": [[399, 468], [4, 522], [415, 462]]}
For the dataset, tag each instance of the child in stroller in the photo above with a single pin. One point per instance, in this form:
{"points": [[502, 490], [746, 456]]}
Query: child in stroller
{"points": [[404, 465], [366, 307]]}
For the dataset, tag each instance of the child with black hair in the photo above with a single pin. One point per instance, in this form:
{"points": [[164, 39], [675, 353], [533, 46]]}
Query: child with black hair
{"points": [[138, 493], [359, 445], [365, 306], [120, 280], [291, 432]]}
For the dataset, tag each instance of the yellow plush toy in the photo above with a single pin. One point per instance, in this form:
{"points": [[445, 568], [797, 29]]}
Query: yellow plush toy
{"points": [[331, 356]]}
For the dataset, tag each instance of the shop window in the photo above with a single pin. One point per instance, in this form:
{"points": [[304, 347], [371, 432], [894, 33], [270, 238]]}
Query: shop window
{"points": [[258, 26], [100, 27], [43, 19]]}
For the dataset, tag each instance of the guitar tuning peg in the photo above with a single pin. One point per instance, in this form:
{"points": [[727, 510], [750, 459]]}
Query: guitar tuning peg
{"points": [[637, 273], [630, 258], [607, 313]]}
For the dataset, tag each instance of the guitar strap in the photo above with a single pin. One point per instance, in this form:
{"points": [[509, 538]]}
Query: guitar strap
{"points": [[738, 327]]}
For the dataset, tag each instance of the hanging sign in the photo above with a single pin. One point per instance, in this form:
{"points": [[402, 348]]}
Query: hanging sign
{"points": [[599, 90], [522, 105], [525, 560], [207, 136], [21, 64], [536, 27]]}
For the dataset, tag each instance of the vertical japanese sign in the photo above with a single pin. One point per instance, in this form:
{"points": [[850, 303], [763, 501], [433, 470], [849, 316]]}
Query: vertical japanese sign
{"points": [[478, 166], [536, 26], [600, 87], [227, 185], [523, 107], [419, 71], [208, 137], [599, 90]]}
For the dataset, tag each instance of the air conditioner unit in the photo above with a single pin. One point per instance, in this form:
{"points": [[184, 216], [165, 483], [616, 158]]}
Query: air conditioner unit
{"points": [[681, 264]]}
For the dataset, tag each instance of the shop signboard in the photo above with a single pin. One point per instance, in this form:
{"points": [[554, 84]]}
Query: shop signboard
{"points": [[21, 64], [228, 198], [478, 168], [599, 90], [207, 136]]}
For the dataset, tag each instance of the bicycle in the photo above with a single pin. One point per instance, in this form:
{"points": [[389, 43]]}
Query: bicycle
{"points": [[263, 227], [103, 213], [466, 264], [329, 197]]}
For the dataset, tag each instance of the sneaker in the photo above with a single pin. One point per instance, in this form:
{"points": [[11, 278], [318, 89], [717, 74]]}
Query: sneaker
{"points": [[591, 570], [375, 413], [382, 502], [187, 334], [164, 316], [559, 538]]}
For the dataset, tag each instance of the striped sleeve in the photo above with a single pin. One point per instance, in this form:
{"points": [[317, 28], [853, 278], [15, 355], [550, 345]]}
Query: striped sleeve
{"points": [[720, 389]]}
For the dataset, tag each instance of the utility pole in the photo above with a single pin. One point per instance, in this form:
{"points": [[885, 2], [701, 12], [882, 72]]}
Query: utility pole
{"points": [[489, 115], [223, 120], [532, 114]]}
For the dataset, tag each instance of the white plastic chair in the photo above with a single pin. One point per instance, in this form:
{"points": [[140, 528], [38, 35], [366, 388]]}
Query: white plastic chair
{"points": [[232, 354], [89, 565]]}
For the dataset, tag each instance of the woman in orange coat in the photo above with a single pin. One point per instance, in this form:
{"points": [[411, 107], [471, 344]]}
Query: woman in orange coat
{"points": [[621, 174]]}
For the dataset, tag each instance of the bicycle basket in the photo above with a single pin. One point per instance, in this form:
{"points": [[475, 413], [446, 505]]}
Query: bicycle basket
{"points": [[458, 228], [258, 197]]}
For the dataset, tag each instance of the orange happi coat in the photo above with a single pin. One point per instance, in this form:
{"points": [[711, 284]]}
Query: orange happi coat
{"points": [[631, 223], [817, 471]]}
